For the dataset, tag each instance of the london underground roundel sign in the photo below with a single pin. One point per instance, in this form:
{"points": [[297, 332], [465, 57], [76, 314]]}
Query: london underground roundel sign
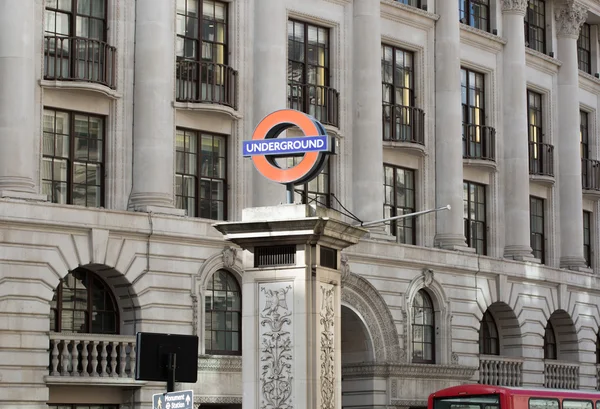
{"points": [[264, 147]]}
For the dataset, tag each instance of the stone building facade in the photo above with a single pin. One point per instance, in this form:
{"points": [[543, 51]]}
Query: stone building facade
{"points": [[121, 125]]}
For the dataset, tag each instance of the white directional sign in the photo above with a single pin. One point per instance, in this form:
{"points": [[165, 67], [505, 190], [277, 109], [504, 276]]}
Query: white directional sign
{"points": [[173, 400]]}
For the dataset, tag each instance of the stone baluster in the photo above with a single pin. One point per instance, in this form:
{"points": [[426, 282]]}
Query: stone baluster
{"points": [[113, 359], [103, 360], [84, 359], [367, 137], [55, 358], [515, 169], [569, 18], [94, 358], [75, 359], [132, 362], [122, 358], [448, 145]]}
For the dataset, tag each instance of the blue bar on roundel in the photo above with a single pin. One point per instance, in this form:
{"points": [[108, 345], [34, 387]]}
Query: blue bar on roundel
{"points": [[286, 146]]}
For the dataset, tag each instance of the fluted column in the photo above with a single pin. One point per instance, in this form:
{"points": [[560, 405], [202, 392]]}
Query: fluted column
{"points": [[516, 148], [270, 83], [367, 139], [448, 133], [154, 126], [569, 18], [17, 99]]}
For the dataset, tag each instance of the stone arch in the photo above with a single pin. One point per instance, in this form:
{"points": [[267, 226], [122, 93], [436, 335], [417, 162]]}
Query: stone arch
{"points": [[567, 343], [509, 329], [121, 288], [362, 297], [228, 259], [357, 343], [443, 331]]}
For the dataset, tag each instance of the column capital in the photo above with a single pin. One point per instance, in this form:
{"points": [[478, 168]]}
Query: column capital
{"points": [[514, 6], [569, 17]]}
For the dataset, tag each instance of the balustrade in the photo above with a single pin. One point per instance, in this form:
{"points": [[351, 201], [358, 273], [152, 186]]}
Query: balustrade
{"points": [[92, 355], [500, 371], [541, 159], [590, 174], [560, 375], [479, 142], [206, 82]]}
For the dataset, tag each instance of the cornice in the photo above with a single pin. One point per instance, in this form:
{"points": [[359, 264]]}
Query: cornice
{"points": [[541, 61], [210, 363], [589, 82], [455, 372], [412, 16], [209, 108], [339, 2], [223, 400], [481, 39], [81, 85]]}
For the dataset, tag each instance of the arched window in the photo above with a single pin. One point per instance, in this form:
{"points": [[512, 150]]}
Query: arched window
{"points": [[550, 342], [423, 329], [83, 303], [598, 348], [223, 307], [488, 335]]}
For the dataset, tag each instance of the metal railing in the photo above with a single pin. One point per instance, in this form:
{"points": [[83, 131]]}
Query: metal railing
{"points": [[590, 174], [317, 100], [403, 124], [541, 159], [92, 355], [206, 82], [479, 142], [79, 59]]}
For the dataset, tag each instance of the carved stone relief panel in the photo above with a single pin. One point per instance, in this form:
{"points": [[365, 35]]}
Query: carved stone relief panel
{"points": [[327, 321]]}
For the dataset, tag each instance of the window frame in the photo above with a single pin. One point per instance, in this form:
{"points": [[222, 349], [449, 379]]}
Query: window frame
{"points": [[465, 12], [530, 13], [467, 185], [91, 278], [71, 160], [394, 224], [393, 87], [542, 235], [73, 14], [305, 63], [417, 4], [199, 41], [199, 177], [486, 337], [211, 290], [423, 343], [587, 237], [307, 195], [553, 343], [584, 134], [584, 50]]}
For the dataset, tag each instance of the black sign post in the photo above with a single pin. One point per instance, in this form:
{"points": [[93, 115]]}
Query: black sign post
{"points": [[166, 358]]}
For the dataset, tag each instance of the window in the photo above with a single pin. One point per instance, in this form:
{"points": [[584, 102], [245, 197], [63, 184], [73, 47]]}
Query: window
{"points": [[488, 336], [201, 169], [536, 219], [473, 114], [75, 41], [308, 70], [475, 13], [535, 25], [587, 238], [83, 303], [73, 158], [223, 321], [543, 403], [401, 121], [414, 3], [577, 404], [317, 190], [202, 53], [474, 216], [534, 104], [399, 190], [584, 49], [423, 329], [540, 153], [598, 352], [584, 134], [549, 342]]}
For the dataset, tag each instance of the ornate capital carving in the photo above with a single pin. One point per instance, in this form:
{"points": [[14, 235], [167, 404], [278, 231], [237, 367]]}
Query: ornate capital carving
{"points": [[344, 268], [569, 17], [514, 6], [427, 277], [229, 255]]}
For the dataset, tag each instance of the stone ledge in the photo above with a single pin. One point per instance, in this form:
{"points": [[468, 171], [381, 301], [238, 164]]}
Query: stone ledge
{"points": [[13, 194], [92, 381], [81, 85], [399, 370]]}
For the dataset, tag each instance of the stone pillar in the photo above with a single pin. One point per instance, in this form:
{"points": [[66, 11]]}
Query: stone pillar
{"points": [[291, 305], [154, 116], [448, 122], [367, 137], [17, 99], [516, 146], [269, 83], [569, 18]]}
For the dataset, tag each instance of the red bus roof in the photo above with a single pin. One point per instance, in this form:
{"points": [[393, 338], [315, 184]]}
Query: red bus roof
{"points": [[476, 389]]}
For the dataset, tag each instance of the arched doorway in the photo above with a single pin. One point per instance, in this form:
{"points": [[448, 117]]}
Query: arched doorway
{"points": [[357, 348]]}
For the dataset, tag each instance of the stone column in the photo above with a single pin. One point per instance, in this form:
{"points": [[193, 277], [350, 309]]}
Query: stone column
{"points": [[367, 137], [516, 146], [292, 305], [269, 83], [17, 99], [448, 123], [154, 116], [569, 18]]}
